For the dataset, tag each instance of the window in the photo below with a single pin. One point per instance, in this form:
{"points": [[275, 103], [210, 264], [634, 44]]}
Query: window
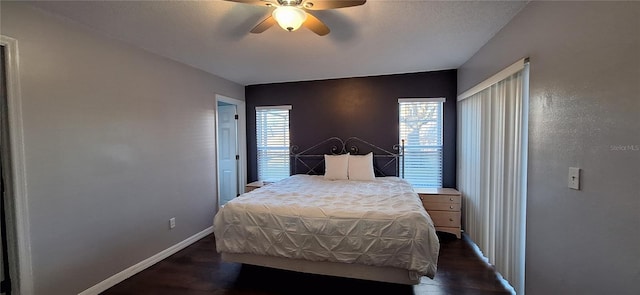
{"points": [[421, 129], [272, 139]]}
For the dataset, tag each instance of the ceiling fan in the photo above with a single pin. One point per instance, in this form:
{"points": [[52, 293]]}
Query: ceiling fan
{"points": [[292, 14]]}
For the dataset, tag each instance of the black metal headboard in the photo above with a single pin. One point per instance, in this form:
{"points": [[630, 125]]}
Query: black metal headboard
{"points": [[311, 160]]}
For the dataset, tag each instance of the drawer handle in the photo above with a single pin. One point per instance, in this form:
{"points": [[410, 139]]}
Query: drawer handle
{"points": [[450, 199], [450, 219], [450, 207]]}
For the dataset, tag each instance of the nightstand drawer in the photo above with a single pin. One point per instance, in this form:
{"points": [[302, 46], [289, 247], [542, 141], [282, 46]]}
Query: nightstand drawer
{"points": [[445, 219], [449, 199], [441, 206]]}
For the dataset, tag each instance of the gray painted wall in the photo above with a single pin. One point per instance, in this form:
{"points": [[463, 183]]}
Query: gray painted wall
{"points": [[584, 112], [117, 141]]}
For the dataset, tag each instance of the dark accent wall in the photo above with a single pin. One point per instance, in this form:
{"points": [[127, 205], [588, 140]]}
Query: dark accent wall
{"points": [[366, 107]]}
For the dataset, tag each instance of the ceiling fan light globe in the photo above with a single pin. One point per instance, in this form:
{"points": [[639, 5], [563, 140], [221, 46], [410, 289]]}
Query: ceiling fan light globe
{"points": [[289, 18]]}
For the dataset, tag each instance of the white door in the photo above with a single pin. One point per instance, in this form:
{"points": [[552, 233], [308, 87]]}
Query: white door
{"points": [[227, 152]]}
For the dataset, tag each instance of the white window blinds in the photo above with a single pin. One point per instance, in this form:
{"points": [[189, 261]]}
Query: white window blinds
{"points": [[421, 128], [272, 139]]}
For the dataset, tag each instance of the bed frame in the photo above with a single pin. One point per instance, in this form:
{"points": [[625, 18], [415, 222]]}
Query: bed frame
{"points": [[336, 269], [311, 161]]}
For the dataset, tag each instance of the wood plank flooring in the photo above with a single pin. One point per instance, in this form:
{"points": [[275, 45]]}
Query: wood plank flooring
{"points": [[198, 269]]}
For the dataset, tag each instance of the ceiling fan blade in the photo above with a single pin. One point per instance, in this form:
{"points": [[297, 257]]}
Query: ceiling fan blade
{"points": [[264, 25], [255, 2], [330, 4], [317, 26]]}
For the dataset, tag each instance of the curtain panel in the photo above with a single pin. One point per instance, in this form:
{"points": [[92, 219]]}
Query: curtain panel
{"points": [[492, 145]]}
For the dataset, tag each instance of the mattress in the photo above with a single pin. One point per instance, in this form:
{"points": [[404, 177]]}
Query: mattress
{"points": [[378, 223]]}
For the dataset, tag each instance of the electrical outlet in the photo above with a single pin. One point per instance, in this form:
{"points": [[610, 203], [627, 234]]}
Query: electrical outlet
{"points": [[172, 222], [574, 178]]}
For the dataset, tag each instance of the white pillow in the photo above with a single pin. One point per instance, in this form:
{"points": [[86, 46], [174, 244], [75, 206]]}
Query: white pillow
{"points": [[361, 167], [336, 167]]}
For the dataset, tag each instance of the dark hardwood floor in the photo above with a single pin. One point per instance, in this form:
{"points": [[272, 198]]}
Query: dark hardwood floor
{"points": [[198, 269]]}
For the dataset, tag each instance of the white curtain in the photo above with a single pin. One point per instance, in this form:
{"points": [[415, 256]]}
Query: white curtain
{"points": [[492, 159]]}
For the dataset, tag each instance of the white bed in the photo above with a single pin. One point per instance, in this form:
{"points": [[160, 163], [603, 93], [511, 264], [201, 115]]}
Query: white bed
{"points": [[375, 230]]}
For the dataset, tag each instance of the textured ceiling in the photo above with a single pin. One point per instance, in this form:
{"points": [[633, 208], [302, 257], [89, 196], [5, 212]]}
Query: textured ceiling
{"points": [[380, 37]]}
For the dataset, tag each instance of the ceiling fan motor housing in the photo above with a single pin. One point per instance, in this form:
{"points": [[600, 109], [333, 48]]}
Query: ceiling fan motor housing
{"points": [[289, 2]]}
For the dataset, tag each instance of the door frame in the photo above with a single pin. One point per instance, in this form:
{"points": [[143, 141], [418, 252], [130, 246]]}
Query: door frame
{"points": [[241, 143], [18, 229]]}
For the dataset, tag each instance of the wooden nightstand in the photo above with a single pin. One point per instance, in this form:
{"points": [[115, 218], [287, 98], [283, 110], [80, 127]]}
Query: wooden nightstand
{"points": [[254, 185], [444, 205]]}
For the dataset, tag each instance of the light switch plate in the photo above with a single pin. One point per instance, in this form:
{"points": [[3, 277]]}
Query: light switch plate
{"points": [[574, 178]]}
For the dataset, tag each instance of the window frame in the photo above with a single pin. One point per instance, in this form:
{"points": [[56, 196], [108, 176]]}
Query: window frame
{"points": [[424, 177], [279, 152]]}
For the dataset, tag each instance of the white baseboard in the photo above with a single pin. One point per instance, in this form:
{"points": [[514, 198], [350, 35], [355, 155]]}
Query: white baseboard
{"points": [[142, 265]]}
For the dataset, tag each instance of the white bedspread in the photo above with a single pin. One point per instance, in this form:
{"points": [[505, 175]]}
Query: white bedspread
{"points": [[380, 223]]}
